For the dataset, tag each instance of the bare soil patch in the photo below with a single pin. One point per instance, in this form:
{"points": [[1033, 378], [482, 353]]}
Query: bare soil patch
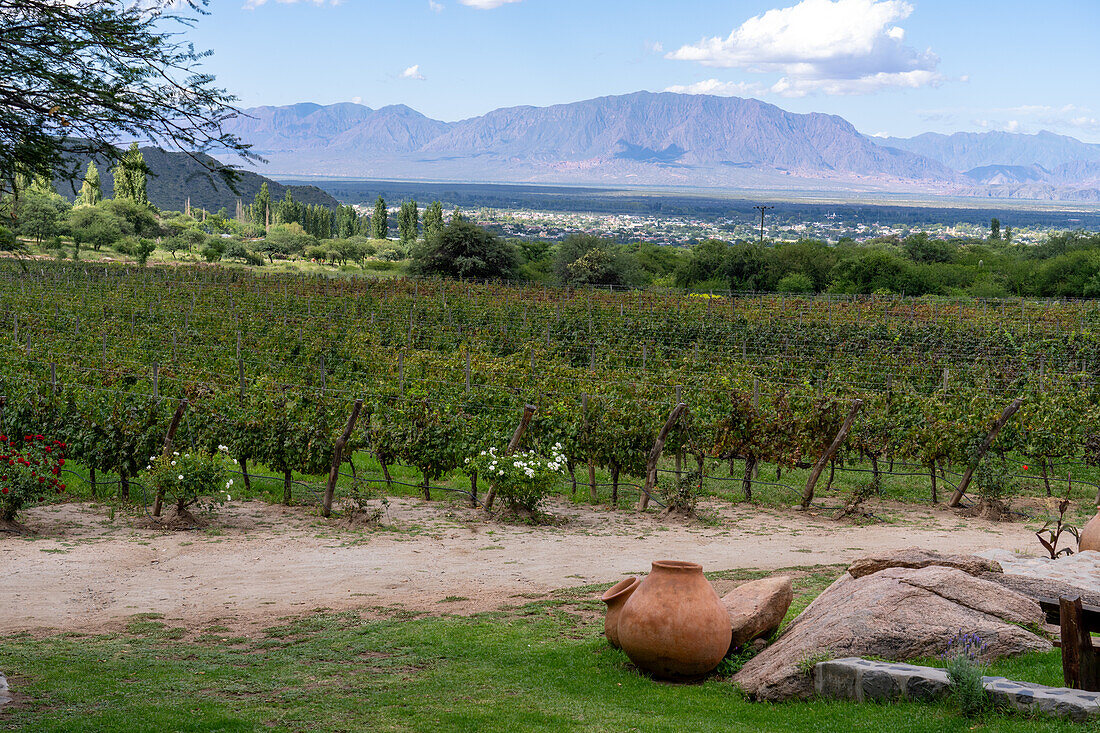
{"points": [[256, 563]]}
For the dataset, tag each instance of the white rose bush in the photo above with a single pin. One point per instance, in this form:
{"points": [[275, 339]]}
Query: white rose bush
{"points": [[522, 479], [193, 477]]}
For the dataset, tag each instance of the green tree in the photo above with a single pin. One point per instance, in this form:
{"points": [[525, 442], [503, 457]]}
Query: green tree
{"points": [[75, 74], [995, 228], [288, 239], [39, 213], [584, 259], [380, 226], [706, 261], [346, 222], [95, 226], [136, 218], [8, 241], [408, 222], [130, 180], [91, 190], [433, 220], [465, 250], [261, 206]]}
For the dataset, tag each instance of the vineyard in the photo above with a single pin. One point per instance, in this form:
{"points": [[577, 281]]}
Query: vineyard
{"points": [[298, 375]]}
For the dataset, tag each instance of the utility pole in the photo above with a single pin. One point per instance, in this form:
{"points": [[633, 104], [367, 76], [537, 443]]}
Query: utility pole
{"points": [[762, 209]]}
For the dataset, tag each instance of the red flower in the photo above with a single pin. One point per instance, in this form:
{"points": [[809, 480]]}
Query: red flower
{"points": [[1025, 466], [4, 490]]}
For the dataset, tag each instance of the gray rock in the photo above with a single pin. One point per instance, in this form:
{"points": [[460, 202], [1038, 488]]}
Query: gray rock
{"points": [[915, 557], [5, 693], [861, 680], [1036, 587]]}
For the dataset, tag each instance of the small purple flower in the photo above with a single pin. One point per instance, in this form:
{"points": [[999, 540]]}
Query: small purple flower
{"points": [[965, 645]]}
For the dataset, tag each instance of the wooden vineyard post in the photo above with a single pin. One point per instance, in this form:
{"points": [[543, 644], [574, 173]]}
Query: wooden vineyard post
{"points": [[965, 482], [513, 444], [168, 438], [655, 455], [338, 457], [1080, 660], [815, 474]]}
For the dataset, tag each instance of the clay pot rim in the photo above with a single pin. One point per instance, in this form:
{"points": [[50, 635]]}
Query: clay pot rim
{"points": [[680, 566], [623, 586]]}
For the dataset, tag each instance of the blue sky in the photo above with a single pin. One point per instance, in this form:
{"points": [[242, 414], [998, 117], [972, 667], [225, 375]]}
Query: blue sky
{"points": [[896, 67]]}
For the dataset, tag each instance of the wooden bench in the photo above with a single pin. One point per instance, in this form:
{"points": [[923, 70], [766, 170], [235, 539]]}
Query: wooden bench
{"points": [[1080, 659]]}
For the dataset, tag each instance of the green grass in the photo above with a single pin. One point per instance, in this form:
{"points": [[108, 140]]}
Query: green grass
{"points": [[541, 667], [1043, 668]]}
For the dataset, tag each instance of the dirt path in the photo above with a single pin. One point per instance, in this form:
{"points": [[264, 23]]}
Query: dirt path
{"points": [[86, 572]]}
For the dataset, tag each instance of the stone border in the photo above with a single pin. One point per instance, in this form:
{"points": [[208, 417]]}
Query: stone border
{"points": [[858, 679], [5, 694]]}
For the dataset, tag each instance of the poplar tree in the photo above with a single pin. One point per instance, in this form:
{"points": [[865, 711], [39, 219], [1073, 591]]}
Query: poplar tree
{"points": [[408, 222], [130, 182], [260, 206], [90, 192], [433, 220], [380, 225]]}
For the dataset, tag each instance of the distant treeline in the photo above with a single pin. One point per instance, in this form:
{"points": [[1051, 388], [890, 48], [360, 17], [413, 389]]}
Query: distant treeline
{"points": [[1065, 265]]}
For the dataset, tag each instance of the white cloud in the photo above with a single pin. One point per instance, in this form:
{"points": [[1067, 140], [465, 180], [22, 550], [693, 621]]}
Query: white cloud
{"points": [[435, 7], [1067, 119], [654, 47], [793, 86], [719, 88], [828, 46], [487, 4], [356, 100], [413, 72]]}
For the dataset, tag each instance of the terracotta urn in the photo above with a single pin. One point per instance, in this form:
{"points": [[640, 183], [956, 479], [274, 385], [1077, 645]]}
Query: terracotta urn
{"points": [[615, 598], [674, 626], [1090, 535]]}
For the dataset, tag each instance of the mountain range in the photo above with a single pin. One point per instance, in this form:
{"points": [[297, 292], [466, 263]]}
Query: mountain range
{"points": [[664, 139]]}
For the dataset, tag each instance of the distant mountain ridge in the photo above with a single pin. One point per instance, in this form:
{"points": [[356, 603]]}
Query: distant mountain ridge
{"points": [[642, 138], [965, 151]]}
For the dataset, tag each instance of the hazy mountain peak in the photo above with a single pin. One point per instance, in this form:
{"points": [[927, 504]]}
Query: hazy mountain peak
{"points": [[641, 138]]}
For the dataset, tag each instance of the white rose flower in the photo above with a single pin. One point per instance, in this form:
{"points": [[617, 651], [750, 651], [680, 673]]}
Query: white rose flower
{"points": [[176, 453], [180, 477], [173, 463]]}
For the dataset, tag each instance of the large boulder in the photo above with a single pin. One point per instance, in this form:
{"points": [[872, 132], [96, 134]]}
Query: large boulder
{"points": [[757, 608], [897, 614], [915, 557]]}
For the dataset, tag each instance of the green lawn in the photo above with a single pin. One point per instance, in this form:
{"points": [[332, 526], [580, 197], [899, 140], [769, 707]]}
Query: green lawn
{"points": [[541, 666]]}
